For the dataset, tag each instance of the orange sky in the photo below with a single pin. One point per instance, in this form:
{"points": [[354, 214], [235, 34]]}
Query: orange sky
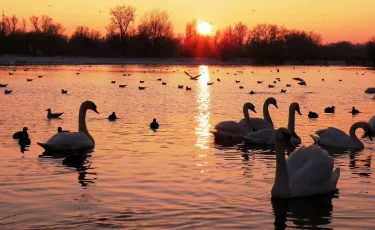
{"points": [[336, 20]]}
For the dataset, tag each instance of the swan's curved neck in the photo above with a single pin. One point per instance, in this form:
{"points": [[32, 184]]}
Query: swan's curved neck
{"points": [[82, 122], [247, 116], [281, 185], [292, 119], [266, 113], [352, 130]]}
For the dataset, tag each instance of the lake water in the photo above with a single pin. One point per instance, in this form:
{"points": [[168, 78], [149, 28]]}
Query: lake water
{"points": [[177, 177]]}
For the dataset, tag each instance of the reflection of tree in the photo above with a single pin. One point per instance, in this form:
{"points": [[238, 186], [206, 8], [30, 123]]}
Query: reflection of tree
{"points": [[310, 212]]}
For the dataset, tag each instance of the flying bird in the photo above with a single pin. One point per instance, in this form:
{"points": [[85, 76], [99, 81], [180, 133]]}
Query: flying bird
{"points": [[301, 81], [191, 77]]}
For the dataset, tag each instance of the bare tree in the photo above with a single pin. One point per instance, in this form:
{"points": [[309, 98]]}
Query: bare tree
{"points": [[34, 20], [122, 16], [240, 34], [23, 25], [156, 24], [14, 21], [191, 30]]}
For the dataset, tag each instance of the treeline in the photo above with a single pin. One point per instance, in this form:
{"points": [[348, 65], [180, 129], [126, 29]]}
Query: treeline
{"points": [[153, 36]]}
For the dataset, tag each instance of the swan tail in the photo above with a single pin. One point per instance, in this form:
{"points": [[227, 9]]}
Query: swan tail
{"points": [[54, 147], [315, 138], [336, 175]]}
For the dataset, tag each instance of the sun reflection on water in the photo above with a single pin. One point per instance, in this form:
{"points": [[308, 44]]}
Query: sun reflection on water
{"points": [[203, 115]]}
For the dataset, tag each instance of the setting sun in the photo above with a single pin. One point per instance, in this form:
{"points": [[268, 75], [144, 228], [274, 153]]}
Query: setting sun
{"points": [[204, 28]]}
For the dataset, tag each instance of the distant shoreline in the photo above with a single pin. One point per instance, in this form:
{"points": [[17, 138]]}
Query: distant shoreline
{"points": [[12, 60]]}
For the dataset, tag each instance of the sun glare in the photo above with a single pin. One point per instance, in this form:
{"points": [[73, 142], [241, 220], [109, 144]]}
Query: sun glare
{"points": [[204, 28]]}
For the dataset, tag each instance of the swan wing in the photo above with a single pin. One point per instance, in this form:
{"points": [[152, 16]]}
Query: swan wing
{"points": [[315, 177], [231, 127], [298, 159], [67, 140], [372, 123], [333, 137], [256, 123], [264, 136]]}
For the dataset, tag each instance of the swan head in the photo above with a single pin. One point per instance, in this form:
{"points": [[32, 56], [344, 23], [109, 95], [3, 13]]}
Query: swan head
{"points": [[272, 101], [249, 106], [295, 106], [90, 105], [48, 110], [282, 135], [367, 128]]}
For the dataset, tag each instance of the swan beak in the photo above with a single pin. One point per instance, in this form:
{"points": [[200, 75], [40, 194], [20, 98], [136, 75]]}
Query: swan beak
{"points": [[276, 106], [299, 112], [254, 110], [96, 111]]}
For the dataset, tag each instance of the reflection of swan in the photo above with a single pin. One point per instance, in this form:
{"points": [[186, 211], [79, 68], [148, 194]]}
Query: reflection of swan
{"points": [[337, 138], [232, 129], [312, 212], [261, 123], [266, 136], [307, 172], [73, 140]]}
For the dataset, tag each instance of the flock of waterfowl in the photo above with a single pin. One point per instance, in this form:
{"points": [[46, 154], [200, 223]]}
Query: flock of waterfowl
{"points": [[308, 171]]}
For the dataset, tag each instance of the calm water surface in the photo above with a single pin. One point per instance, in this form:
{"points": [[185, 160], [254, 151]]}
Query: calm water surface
{"points": [[177, 177]]}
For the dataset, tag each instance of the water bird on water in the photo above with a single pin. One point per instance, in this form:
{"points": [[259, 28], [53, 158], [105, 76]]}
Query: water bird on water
{"points": [[29, 79], [259, 82], [10, 73], [238, 81], [340, 80], [164, 83], [313, 115], [241, 87], [121, 86], [60, 130], [113, 82], [141, 87], [159, 79], [73, 140], [141, 81], [210, 83], [19, 134], [283, 90], [3, 85], [297, 175], [322, 79], [7, 91], [64, 91], [188, 88], [218, 79], [40, 76], [180, 86], [112, 117], [252, 92], [354, 111], [330, 109], [271, 86], [154, 125], [288, 85], [51, 115]]}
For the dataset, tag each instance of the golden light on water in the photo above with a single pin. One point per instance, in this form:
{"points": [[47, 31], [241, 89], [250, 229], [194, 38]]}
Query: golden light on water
{"points": [[203, 115]]}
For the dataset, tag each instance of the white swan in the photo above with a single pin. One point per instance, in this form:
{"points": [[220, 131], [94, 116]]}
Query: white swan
{"points": [[307, 171], [372, 124], [73, 140], [266, 136], [232, 129], [337, 138], [261, 123]]}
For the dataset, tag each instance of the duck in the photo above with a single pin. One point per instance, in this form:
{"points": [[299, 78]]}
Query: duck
{"points": [[330, 109], [334, 137], [159, 79], [180, 86], [354, 111], [288, 85], [259, 82], [24, 140], [113, 82], [141, 87], [283, 90], [154, 125], [8, 91], [3, 85], [164, 83], [64, 91], [122, 86], [29, 79], [112, 117], [210, 83], [60, 130], [188, 88], [252, 92], [141, 81], [51, 115], [237, 81], [19, 134], [241, 87], [307, 172], [75, 159], [340, 80], [322, 79], [218, 79], [271, 86], [40, 76], [313, 115], [10, 73], [66, 141]]}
